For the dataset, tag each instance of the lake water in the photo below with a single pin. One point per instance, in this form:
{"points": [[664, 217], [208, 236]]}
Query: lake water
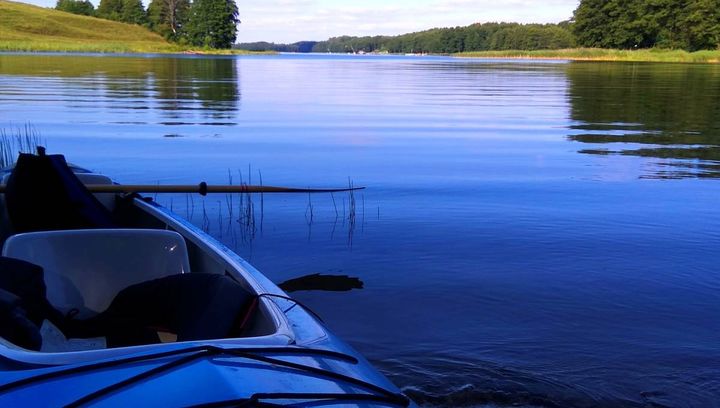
{"points": [[539, 234]]}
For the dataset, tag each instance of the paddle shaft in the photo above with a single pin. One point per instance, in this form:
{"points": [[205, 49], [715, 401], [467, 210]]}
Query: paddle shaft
{"points": [[202, 189]]}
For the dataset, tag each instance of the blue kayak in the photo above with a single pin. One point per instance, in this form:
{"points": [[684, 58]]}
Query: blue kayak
{"points": [[284, 355]]}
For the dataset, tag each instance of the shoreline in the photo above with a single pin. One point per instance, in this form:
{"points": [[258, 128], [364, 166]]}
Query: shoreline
{"points": [[123, 49], [602, 55], [575, 54]]}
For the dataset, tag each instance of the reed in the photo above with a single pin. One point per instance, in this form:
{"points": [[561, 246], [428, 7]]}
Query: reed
{"points": [[600, 54], [24, 139], [351, 213], [235, 217], [247, 217], [309, 211]]}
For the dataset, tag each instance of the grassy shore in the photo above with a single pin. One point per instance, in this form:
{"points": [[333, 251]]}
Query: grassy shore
{"points": [[28, 28], [597, 54]]}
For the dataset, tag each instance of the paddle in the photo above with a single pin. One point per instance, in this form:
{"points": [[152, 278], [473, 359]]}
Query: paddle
{"points": [[316, 281], [202, 189]]}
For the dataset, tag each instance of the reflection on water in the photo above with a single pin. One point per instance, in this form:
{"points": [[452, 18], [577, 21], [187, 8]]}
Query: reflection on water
{"points": [[180, 91], [668, 112], [499, 266]]}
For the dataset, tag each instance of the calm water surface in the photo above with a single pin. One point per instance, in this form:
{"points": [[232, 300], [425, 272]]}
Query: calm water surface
{"points": [[533, 234]]}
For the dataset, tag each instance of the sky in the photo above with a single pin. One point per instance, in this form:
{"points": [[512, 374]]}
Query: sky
{"points": [[288, 21]]}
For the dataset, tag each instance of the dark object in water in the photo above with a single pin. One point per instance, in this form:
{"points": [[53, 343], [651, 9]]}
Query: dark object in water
{"points": [[316, 281], [43, 194], [195, 306]]}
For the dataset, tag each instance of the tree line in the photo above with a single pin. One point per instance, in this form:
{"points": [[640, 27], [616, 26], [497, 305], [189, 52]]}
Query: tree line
{"points": [[625, 24], [201, 23], [476, 37], [680, 24], [620, 24]]}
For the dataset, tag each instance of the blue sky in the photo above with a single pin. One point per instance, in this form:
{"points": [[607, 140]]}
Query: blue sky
{"points": [[294, 20]]}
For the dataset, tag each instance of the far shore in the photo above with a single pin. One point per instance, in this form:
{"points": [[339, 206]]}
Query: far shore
{"points": [[598, 54], [575, 54]]}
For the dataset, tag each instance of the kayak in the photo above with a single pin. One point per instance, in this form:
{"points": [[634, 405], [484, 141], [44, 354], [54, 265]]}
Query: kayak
{"points": [[280, 354]]}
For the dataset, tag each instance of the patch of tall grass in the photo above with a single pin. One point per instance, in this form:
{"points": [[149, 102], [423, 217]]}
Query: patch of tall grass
{"points": [[599, 54], [23, 139], [86, 47], [24, 27]]}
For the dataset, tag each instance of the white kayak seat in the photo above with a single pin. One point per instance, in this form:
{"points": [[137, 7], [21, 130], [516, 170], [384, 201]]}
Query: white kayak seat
{"points": [[85, 269]]}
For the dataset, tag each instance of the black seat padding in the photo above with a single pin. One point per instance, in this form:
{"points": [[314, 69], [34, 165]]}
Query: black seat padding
{"points": [[15, 325], [195, 306], [26, 281], [23, 303]]}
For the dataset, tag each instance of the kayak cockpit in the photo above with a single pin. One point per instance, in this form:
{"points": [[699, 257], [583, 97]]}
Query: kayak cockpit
{"points": [[85, 270]]}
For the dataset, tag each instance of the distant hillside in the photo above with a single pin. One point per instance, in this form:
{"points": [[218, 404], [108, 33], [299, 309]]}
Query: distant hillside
{"points": [[29, 28]]}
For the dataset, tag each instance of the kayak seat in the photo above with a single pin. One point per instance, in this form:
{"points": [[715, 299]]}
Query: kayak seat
{"points": [[192, 306], [86, 269]]}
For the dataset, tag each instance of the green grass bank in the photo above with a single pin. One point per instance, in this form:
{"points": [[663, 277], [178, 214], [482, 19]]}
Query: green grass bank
{"points": [[29, 28], [597, 54], [24, 27]]}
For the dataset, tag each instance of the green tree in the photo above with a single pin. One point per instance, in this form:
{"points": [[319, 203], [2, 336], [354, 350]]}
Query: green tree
{"points": [[688, 24], [110, 9], [613, 24], [168, 17], [133, 12], [127, 11], [212, 23], [82, 7], [701, 20]]}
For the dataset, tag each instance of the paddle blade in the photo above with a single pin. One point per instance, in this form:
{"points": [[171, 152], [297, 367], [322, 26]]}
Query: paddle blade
{"points": [[316, 281]]}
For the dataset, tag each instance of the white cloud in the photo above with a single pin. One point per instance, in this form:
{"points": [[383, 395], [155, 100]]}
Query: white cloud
{"points": [[287, 21]]}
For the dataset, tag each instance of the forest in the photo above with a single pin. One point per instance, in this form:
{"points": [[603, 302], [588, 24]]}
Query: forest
{"points": [[689, 25], [476, 37], [626, 24]]}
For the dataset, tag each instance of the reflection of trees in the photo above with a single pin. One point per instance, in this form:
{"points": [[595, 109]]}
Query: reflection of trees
{"points": [[671, 110], [187, 90], [211, 82]]}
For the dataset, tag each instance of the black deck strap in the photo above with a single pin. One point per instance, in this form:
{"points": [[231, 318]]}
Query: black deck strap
{"points": [[203, 189], [63, 370], [295, 301]]}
